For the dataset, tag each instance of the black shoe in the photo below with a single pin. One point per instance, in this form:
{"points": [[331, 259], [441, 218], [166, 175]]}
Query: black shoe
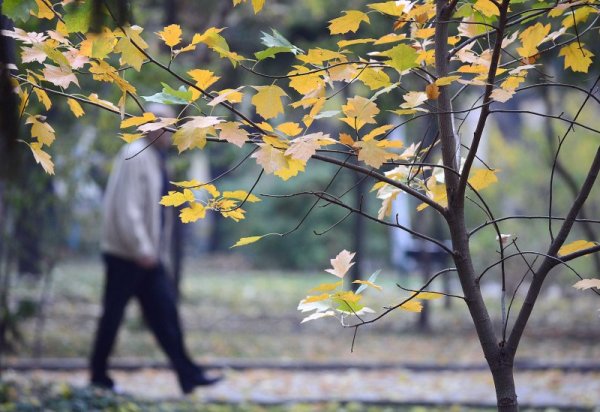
{"points": [[198, 379], [103, 382]]}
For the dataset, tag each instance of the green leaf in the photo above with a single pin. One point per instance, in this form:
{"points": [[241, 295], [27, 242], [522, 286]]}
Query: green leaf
{"points": [[348, 307], [170, 96], [77, 17], [372, 279], [276, 43], [18, 9], [277, 40], [402, 57]]}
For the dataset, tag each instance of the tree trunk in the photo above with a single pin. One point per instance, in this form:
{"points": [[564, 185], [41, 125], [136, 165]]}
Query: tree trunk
{"points": [[504, 383]]}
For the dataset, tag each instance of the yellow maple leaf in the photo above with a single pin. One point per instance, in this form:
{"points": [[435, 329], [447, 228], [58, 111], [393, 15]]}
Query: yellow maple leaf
{"points": [[305, 82], [192, 213], [42, 131], [349, 22], [371, 153], [203, 78], [75, 107], [131, 137], [393, 8], [576, 57], [171, 35], [575, 246], [318, 56], [359, 111], [42, 97], [44, 12], [174, 198], [483, 178], [268, 101], [412, 306], [42, 157], [531, 38], [194, 132], [138, 120], [326, 287], [292, 168], [241, 195], [487, 8], [290, 128], [428, 295]]}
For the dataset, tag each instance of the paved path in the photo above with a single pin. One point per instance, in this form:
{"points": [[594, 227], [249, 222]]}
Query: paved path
{"points": [[269, 386]]}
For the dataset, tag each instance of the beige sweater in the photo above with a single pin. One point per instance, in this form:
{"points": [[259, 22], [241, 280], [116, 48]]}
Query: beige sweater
{"points": [[131, 212]]}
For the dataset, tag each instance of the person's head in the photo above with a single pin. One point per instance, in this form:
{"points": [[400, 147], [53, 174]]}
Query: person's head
{"points": [[160, 110]]}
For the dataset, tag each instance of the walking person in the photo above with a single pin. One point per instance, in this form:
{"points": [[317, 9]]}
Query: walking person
{"points": [[135, 245]]}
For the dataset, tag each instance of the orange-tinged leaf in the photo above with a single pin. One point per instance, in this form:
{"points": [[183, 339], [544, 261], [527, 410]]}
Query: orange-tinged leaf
{"points": [[346, 139], [42, 158], [247, 240], [587, 284], [171, 35], [341, 263], [349, 22], [138, 120], [433, 91], [576, 57], [575, 246], [75, 107], [257, 5], [268, 101], [233, 133]]}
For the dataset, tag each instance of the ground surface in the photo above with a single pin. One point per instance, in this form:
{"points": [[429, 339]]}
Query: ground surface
{"points": [[239, 314]]}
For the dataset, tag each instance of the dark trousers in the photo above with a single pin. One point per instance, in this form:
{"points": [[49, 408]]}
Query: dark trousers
{"points": [[156, 294]]}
